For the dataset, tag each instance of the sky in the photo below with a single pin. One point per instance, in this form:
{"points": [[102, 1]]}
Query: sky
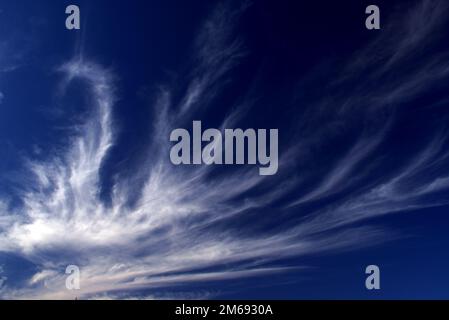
{"points": [[86, 178]]}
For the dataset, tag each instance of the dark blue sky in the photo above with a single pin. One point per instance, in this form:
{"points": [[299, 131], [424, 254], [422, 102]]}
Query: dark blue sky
{"points": [[86, 178]]}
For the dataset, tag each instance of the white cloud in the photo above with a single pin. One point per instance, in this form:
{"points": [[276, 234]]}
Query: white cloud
{"points": [[170, 230]]}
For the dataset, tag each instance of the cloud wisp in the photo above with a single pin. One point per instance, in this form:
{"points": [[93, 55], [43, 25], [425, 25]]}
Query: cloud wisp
{"points": [[180, 224]]}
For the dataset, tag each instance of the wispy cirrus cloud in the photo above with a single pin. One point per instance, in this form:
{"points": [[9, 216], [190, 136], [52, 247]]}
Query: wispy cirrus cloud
{"points": [[180, 224]]}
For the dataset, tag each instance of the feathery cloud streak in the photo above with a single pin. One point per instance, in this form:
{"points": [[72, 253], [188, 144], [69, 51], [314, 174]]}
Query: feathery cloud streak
{"points": [[169, 236]]}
